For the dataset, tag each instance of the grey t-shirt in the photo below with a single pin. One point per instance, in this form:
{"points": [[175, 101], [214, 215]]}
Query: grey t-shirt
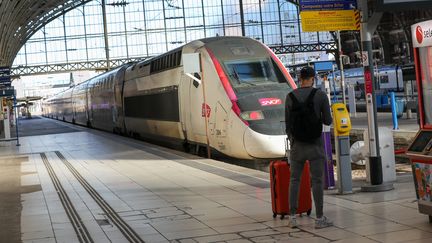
{"points": [[301, 151]]}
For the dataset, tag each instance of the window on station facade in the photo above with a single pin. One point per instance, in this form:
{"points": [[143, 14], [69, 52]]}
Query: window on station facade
{"points": [[138, 29]]}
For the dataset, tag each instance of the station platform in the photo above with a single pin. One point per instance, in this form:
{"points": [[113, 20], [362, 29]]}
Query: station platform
{"points": [[83, 185]]}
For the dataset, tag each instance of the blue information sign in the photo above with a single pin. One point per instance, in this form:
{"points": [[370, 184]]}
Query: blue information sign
{"points": [[323, 5], [323, 66], [5, 78]]}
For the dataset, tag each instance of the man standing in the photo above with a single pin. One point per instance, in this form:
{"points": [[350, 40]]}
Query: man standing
{"points": [[307, 109]]}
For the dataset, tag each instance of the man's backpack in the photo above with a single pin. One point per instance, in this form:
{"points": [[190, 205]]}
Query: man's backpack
{"points": [[305, 125]]}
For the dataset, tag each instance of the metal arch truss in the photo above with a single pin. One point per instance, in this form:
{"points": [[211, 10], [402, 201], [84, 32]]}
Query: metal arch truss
{"points": [[286, 49], [101, 64], [21, 19], [68, 67]]}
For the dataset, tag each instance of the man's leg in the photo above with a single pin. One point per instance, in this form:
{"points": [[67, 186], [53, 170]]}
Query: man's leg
{"points": [[316, 171], [296, 168]]}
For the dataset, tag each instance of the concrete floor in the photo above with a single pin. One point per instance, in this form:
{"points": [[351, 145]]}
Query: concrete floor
{"points": [[123, 190]]}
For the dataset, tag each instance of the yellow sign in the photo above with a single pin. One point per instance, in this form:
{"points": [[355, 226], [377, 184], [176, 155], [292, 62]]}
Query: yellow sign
{"points": [[313, 21]]}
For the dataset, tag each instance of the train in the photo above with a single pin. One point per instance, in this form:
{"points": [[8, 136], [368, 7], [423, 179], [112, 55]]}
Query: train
{"points": [[237, 109], [389, 79]]}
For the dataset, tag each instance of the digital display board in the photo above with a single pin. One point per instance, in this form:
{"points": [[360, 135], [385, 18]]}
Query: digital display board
{"points": [[398, 5]]}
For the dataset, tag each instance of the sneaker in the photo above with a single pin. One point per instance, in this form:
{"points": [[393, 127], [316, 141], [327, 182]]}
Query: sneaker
{"points": [[292, 222], [323, 223]]}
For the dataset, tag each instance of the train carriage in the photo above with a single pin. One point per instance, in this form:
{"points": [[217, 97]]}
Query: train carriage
{"points": [[242, 97]]}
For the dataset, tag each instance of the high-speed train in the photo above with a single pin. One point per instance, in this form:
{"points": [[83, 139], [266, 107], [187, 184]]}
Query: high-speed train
{"points": [[241, 98]]}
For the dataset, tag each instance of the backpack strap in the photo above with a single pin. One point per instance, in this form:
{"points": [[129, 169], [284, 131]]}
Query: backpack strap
{"points": [[294, 99], [309, 99]]}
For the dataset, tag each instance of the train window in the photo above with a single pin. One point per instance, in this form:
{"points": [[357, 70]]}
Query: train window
{"points": [[172, 60], [158, 64], [253, 72], [176, 58], [384, 79]]}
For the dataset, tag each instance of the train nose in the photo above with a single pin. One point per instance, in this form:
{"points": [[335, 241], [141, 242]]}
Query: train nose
{"points": [[264, 146]]}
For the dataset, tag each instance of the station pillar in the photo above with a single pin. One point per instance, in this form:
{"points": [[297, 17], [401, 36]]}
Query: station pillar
{"points": [[368, 27]]}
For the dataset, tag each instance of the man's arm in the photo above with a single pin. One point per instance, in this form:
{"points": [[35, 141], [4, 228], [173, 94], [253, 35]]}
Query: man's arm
{"points": [[325, 111], [287, 115]]}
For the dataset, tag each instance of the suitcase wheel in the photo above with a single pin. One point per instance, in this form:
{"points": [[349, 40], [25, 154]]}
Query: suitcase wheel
{"points": [[282, 216], [274, 215], [309, 212]]}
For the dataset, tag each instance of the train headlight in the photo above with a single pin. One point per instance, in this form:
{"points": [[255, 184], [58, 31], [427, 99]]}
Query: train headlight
{"points": [[252, 115]]}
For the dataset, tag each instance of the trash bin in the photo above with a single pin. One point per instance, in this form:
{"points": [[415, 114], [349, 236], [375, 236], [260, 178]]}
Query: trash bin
{"points": [[385, 100], [386, 145], [400, 106]]}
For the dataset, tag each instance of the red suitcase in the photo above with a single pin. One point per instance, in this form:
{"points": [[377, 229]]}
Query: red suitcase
{"points": [[279, 180]]}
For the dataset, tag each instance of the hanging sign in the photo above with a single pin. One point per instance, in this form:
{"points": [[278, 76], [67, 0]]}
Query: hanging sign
{"points": [[329, 15], [365, 58], [319, 5], [313, 21], [5, 78]]}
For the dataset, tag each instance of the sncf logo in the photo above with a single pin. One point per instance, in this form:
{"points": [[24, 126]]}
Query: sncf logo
{"points": [[419, 34], [270, 101]]}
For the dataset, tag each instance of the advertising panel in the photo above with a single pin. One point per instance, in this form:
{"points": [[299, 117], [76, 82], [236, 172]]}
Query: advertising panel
{"points": [[423, 177], [422, 34]]}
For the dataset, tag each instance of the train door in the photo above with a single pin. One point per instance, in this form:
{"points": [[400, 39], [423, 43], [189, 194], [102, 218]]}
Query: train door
{"points": [[89, 92], [117, 111], [194, 117], [219, 127]]}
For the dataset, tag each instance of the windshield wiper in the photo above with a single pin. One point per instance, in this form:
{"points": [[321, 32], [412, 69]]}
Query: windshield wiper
{"points": [[250, 84], [236, 76]]}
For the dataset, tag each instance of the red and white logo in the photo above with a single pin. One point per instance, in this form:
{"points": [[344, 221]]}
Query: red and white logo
{"points": [[205, 110], [270, 101], [419, 34]]}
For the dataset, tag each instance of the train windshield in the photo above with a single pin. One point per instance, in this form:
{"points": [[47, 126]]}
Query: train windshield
{"points": [[253, 72]]}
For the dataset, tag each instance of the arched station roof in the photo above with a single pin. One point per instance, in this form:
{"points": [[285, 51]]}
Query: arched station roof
{"points": [[20, 19]]}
